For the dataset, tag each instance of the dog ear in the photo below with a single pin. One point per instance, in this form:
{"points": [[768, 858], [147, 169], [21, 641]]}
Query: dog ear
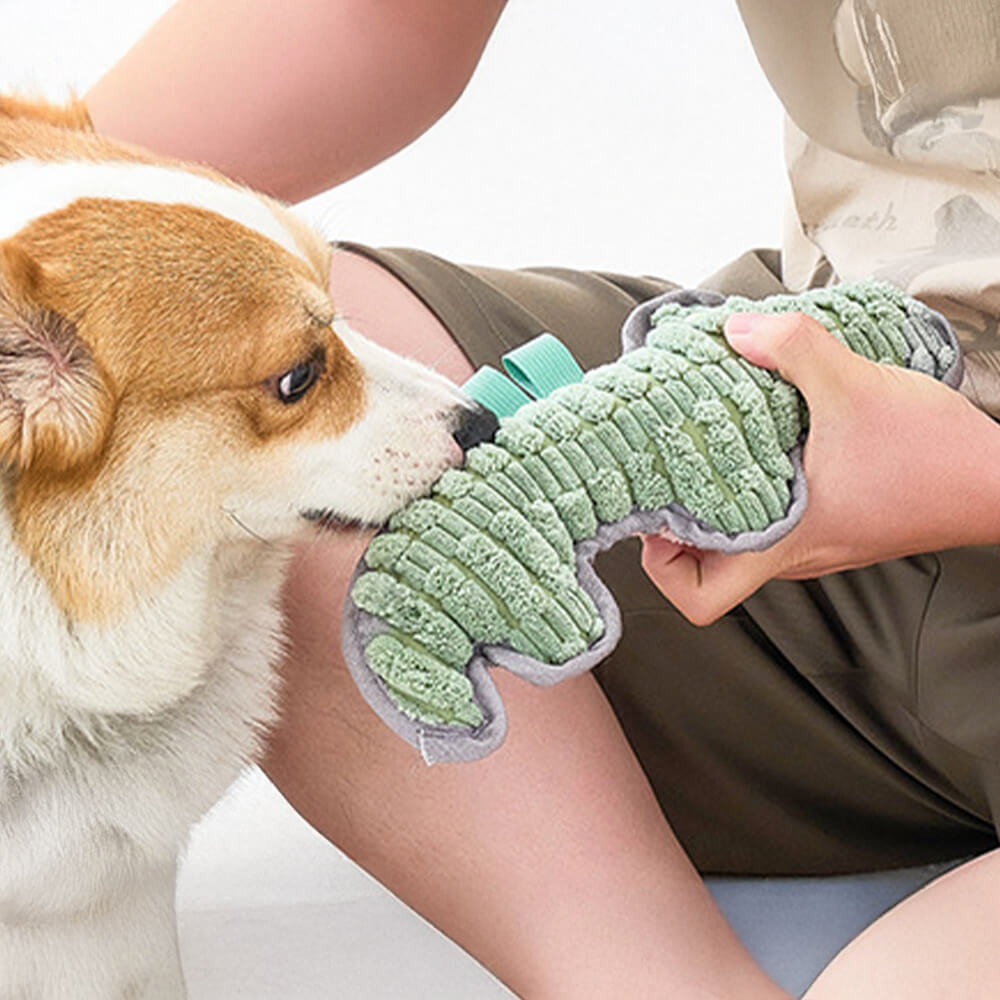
{"points": [[55, 405]]}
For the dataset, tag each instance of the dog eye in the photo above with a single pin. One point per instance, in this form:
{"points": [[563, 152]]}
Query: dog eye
{"points": [[297, 381]]}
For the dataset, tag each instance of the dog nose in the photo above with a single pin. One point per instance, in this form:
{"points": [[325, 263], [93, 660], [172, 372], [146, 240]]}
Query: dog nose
{"points": [[474, 427]]}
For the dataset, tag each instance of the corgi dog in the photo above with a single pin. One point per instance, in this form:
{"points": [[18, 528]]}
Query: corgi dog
{"points": [[177, 405]]}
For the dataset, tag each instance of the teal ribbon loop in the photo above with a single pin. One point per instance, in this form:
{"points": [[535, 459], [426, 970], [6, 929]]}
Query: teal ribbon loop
{"points": [[494, 391], [537, 366], [541, 365]]}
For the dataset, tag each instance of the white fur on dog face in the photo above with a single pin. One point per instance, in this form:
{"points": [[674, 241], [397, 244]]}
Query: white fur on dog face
{"points": [[391, 454], [30, 189], [155, 653], [395, 450]]}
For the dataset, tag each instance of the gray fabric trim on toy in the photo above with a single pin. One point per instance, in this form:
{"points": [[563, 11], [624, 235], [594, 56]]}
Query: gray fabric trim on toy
{"points": [[680, 434]]}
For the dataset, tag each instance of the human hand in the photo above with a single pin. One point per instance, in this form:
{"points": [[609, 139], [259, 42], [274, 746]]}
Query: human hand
{"points": [[896, 463]]}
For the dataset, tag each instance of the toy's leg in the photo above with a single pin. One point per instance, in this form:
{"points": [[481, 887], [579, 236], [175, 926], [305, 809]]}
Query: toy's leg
{"points": [[550, 861]]}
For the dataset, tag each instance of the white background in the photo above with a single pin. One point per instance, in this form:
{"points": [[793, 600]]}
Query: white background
{"points": [[637, 136]]}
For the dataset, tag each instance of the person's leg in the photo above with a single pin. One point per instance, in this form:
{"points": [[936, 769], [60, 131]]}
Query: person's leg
{"points": [[821, 727], [941, 943], [550, 861]]}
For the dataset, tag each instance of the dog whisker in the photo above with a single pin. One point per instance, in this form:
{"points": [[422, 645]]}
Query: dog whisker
{"points": [[433, 365], [343, 317], [253, 534], [326, 219]]}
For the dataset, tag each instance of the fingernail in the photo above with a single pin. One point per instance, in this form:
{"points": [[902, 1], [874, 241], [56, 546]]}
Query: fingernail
{"points": [[741, 324]]}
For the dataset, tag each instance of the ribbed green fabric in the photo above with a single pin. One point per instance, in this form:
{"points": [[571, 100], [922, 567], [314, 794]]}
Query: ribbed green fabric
{"points": [[489, 556]]}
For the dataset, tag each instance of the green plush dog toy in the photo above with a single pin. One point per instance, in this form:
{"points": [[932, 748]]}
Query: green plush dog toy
{"points": [[680, 434]]}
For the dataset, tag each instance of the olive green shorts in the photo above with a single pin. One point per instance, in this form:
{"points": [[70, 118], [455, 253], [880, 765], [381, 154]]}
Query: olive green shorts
{"points": [[842, 724]]}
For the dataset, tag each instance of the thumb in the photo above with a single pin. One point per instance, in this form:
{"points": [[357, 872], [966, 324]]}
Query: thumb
{"points": [[799, 348]]}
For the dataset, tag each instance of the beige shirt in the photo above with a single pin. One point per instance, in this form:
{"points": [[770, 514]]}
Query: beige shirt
{"points": [[893, 152]]}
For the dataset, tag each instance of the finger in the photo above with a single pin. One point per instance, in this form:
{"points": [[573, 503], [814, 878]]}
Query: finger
{"points": [[674, 569], [663, 548], [703, 586], [802, 350]]}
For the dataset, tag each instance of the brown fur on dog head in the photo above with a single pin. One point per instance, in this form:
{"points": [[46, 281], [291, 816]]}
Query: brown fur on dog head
{"points": [[72, 115], [150, 315], [140, 342]]}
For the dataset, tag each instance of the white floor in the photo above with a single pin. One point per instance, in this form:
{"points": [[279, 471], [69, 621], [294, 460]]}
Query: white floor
{"points": [[269, 910]]}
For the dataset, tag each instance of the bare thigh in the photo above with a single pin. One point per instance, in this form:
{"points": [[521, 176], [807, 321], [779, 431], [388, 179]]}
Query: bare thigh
{"points": [[550, 861], [943, 943]]}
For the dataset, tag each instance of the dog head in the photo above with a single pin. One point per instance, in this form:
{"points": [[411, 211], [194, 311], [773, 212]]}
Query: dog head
{"points": [[170, 374]]}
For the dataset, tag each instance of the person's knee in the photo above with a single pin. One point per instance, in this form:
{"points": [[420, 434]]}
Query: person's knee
{"points": [[379, 306]]}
